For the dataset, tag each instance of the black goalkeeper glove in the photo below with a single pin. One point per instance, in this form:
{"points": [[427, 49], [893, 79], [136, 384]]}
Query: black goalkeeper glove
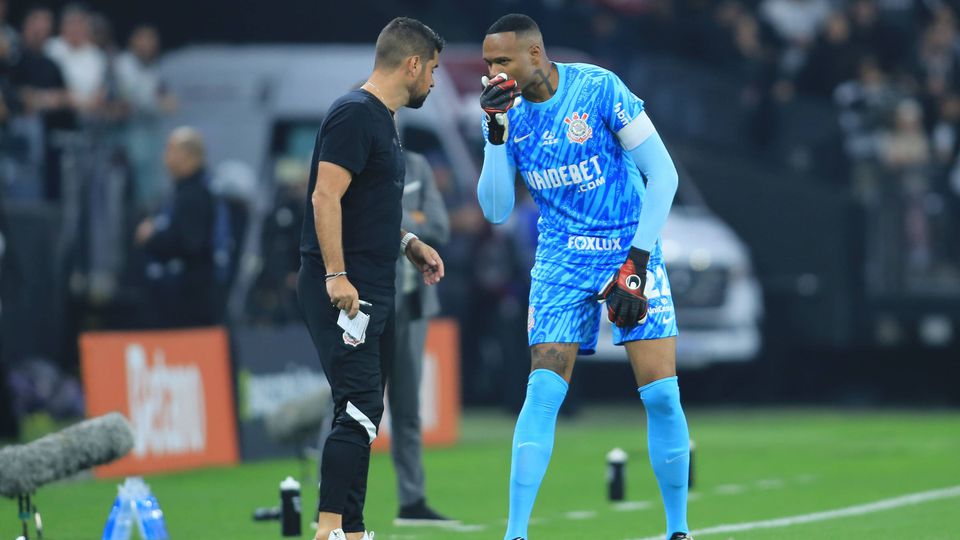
{"points": [[496, 99], [623, 292]]}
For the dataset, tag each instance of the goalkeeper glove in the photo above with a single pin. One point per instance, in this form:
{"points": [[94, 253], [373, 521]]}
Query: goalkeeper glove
{"points": [[623, 292], [499, 94]]}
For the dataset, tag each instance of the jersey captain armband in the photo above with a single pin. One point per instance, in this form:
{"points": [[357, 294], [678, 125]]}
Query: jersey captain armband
{"points": [[636, 132]]}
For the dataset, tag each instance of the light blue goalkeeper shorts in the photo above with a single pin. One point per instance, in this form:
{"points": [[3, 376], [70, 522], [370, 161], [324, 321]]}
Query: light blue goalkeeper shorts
{"points": [[563, 306]]}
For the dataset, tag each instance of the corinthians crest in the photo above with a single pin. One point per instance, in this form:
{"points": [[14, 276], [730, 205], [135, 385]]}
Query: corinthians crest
{"points": [[578, 130]]}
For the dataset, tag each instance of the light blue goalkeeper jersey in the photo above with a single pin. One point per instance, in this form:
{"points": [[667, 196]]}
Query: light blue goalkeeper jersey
{"points": [[573, 164]]}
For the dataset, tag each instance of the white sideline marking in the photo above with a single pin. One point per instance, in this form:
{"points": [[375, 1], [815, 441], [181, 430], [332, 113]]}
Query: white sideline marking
{"points": [[770, 483], [580, 514], [630, 506], [857, 510], [729, 489], [467, 528]]}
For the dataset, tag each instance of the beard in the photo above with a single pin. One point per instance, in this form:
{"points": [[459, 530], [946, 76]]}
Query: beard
{"points": [[416, 101]]}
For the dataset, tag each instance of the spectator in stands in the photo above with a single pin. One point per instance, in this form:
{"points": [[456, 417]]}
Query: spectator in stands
{"points": [[897, 24], [864, 104], [8, 34], [9, 100], [718, 34], [180, 240], [832, 59], [796, 22], [39, 78], [83, 64], [945, 139], [12, 151], [45, 98], [139, 85], [112, 109], [751, 54], [905, 151], [906, 147], [760, 74], [938, 55], [866, 33]]}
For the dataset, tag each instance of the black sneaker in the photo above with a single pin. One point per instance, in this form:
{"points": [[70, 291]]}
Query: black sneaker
{"points": [[419, 514], [680, 536]]}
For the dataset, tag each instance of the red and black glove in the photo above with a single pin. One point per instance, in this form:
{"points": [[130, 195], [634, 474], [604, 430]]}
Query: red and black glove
{"points": [[496, 99], [623, 292]]}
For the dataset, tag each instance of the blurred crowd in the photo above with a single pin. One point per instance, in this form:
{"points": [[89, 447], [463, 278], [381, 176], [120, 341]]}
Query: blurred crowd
{"points": [[66, 85], [891, 69]]}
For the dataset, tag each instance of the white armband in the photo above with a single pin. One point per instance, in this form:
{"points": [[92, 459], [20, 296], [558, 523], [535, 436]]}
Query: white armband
{"points": [[636, 132]]}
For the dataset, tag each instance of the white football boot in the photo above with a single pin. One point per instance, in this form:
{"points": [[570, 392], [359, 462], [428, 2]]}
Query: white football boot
{"points": [[338, 534]]}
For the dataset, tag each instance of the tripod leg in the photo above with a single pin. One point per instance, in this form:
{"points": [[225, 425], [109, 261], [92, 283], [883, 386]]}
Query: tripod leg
{"points": [[23, 507], [38, 522]]}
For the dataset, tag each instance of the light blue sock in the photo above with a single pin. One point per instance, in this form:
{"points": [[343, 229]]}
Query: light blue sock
{"points": [[669, 443], [532, 446]]}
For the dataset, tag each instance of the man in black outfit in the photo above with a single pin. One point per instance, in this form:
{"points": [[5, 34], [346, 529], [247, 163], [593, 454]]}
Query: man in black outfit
{"points": [[44, 92], [179, 241], [349, 246]]}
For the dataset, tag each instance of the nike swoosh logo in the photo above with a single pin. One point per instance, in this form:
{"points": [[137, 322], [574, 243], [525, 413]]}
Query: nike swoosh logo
{"points": [[521, 445], [411, 187], [518, 139], [674, 458]]}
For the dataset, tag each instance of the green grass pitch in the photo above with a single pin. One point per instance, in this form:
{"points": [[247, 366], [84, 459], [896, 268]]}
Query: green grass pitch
{"points": [[751, 466]]}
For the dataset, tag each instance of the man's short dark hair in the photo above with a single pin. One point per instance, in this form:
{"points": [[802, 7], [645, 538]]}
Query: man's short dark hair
{"points": [[404, 37], [514, 22], [36, 8], [75, 8]]}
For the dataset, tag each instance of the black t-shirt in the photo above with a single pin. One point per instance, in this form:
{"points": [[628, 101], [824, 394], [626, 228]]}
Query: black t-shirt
{"points": [[359, 134], [34, 70]]}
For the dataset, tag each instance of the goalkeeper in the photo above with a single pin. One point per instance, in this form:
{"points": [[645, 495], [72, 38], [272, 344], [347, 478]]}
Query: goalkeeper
{"points": [[604, 183]]}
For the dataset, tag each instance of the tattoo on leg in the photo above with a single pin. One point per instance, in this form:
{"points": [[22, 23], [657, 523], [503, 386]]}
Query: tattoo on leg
{"points": [[545, 80], [551, 358]]}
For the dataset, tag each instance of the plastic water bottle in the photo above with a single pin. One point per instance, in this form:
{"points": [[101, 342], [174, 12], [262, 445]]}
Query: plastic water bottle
{"points": [[152, 524], [290, 522], [120, 520], [159, 522], [149, 516], [137, 491], [616, 475], [111, 520]]}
